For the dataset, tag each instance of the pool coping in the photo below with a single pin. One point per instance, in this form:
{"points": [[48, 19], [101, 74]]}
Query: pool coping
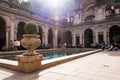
{"points": [[56, 61], [10, 64]]}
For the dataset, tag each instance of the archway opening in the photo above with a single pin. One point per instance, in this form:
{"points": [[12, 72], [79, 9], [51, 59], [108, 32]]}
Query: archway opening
{"points": [[2, 33], [59, 39], [77, 41], [68, 39], [88, 38], [114, 31], [41, 36], [20, 32], [50, 38]]}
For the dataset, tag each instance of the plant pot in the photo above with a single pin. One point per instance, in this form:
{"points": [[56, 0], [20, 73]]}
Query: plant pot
{"points": [[31, 42]]}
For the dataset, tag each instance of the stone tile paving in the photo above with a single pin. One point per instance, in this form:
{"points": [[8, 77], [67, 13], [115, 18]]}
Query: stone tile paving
{"points": [[103, 65]]}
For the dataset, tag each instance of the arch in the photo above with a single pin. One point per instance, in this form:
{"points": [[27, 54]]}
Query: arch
{"points": [[90, 8], [114, 31], [90, 18], [88, 37], [68, 38], [59, 39], [2, 32], [20, 32], [50, 38], [87, 3], [41, 35]]}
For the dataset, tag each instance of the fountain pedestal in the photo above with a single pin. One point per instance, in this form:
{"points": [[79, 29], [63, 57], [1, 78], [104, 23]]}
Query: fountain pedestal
{"points": [[29, 64]]}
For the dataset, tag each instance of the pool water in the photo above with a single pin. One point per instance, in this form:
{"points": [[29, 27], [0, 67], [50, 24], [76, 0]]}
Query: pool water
{"points": [[48, 54], [51, 56]]}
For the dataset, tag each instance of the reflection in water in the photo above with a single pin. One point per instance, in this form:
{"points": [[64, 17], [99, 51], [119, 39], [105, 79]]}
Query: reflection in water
{"points": [[51, 56]]}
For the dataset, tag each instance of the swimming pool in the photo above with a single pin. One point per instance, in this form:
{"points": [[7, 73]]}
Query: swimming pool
{"points": [[49, 54], [60, 53]]}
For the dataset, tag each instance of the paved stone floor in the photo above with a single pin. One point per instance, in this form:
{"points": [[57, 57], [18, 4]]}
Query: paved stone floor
{"points": [[103, 65]]}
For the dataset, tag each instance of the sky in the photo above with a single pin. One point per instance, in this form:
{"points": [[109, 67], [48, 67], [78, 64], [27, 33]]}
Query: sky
{"points": [[48, 7]]}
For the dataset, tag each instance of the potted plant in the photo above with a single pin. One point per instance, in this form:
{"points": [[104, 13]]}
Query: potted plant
{"points": [[30, 39]]}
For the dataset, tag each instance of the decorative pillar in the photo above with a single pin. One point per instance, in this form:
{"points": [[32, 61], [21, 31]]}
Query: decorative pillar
{"points": [[29, 64], [13, 30], [83, 41], [62, 37], [105, 36], [73, 39], [55, 40], [55, 43], [81, 38], [46, 38], [7, 36], [96, 36]]}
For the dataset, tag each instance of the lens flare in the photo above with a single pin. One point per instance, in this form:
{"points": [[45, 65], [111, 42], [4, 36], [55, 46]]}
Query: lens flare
{"points": [[54, 3], [48, 8], [25, 0]]}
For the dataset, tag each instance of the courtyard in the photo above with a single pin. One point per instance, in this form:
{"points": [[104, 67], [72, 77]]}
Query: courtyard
{"points": [[67, 25], [103, 65]]}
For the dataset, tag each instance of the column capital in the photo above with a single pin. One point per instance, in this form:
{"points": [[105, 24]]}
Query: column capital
{"points": [[7, 28], [73, 33]]}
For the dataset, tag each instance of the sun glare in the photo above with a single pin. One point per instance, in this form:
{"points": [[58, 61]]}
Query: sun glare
{"points": [[26, 0], [23, 1], [54, 3]]}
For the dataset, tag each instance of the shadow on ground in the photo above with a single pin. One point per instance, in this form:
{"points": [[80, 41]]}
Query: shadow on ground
{"points": [[114, 53], [13, 75]]}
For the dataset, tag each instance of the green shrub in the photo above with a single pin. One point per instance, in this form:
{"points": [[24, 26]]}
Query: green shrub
{"points": [[31, 28]]}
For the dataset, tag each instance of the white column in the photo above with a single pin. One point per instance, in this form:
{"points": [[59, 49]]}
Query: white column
{"points": [[105, 36], [55, 40], [15, 34], [96, 36], [7, 36], [81, 38], [83, 44], [13, 30], [73, 39]]}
